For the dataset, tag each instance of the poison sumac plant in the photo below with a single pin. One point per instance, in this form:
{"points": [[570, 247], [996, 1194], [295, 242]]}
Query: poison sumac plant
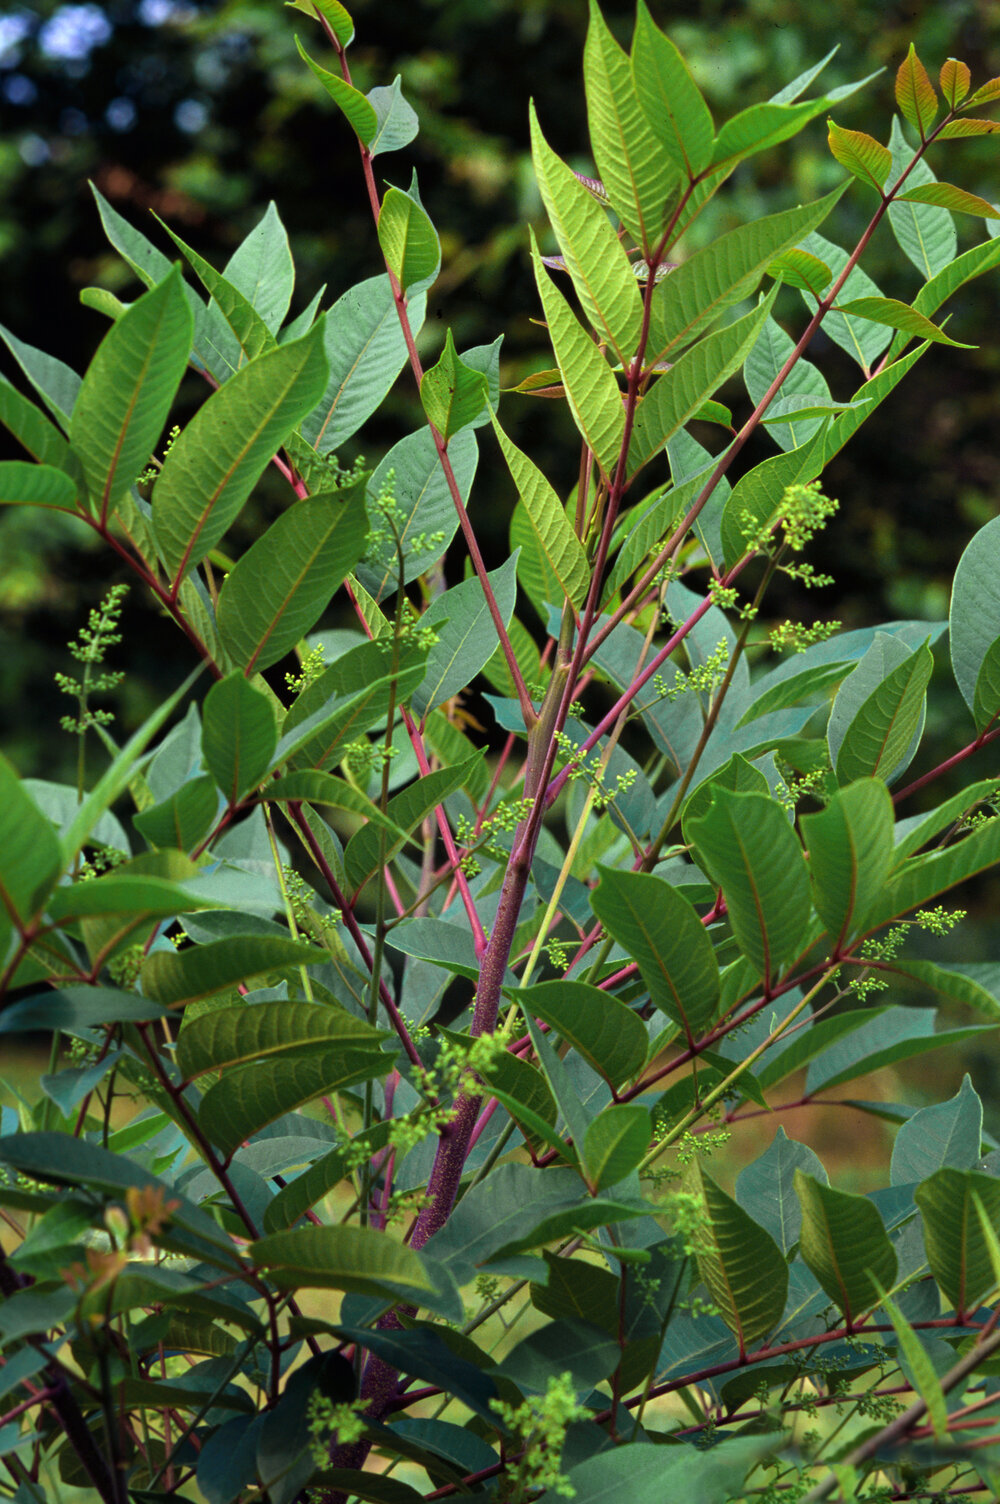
{"points": [[641, 938]]}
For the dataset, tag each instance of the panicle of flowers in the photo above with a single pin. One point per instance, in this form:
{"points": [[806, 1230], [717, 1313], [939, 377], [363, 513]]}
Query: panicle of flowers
{"points": [[593, 773], [90, 647], [704, 678], [795, 636], [540, 1424]]}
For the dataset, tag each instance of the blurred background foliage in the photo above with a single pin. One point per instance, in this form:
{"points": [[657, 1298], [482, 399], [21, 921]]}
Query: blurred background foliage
{"points": [[204, 112]]}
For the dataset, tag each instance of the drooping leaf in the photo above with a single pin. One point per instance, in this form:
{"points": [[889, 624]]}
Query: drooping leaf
{"points": [[609, 1036], [845, 1245], [659, 927], [284, 582], [128, 390], [644, 1475], [850, 845], [741, 1264], [226, 1037], [871, 1040], [749, 849], [239, 735], [219, 457]]}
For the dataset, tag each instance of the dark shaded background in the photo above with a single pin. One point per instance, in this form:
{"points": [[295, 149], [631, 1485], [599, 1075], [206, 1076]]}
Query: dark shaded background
{"points": [[205, 112]]}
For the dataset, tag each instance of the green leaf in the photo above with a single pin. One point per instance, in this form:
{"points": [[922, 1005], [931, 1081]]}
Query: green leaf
{"points": [[986, 701], [974, 614], [970, 983], [425, 512], [453, 394], [183, 819], [748, 848], [863, 340], [61, 1160], [261, 268], [322, 1175], [332, 12], [23, 483], [861, 154], [946, 1134], [615, 1143], [119, 892], [850, 845], [765, 1189], [638, 174], [957, 1251], [742, 1266], [265, 1031], [872, 392], [368, 850], [251, 332], [879, 1037], [678, 394], [675, 110], [576, 1348], [657, 925], [610, 1037], [921, 1369], [804, 381], [239, 735], [593, 393], [408, 239], [359, 113], [77, 1010], [845, 1245], [915, 93], [955, 79], [725, 272], [284, 582], [55, 383], [525, 1093], [127, 392], [896, 315], [576, 1288], [878, 715], [314, 739], [595, 258], [313, 787], [947, 196], [220, 455], [366, 351], [32, 429], [30, 855], [957, 129], [755, 501], [397, 120], [466, 636], [342, 1258], [800, 269], [185, 976], [552, 563], [650, 1475], [247, 1098]]}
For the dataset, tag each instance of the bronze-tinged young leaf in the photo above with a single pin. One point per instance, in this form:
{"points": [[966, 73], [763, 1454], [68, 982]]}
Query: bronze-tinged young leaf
{"points": [[955, 129], [915, 93], [862, 155], [985, 94], [955, 79], [947, 196]]}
